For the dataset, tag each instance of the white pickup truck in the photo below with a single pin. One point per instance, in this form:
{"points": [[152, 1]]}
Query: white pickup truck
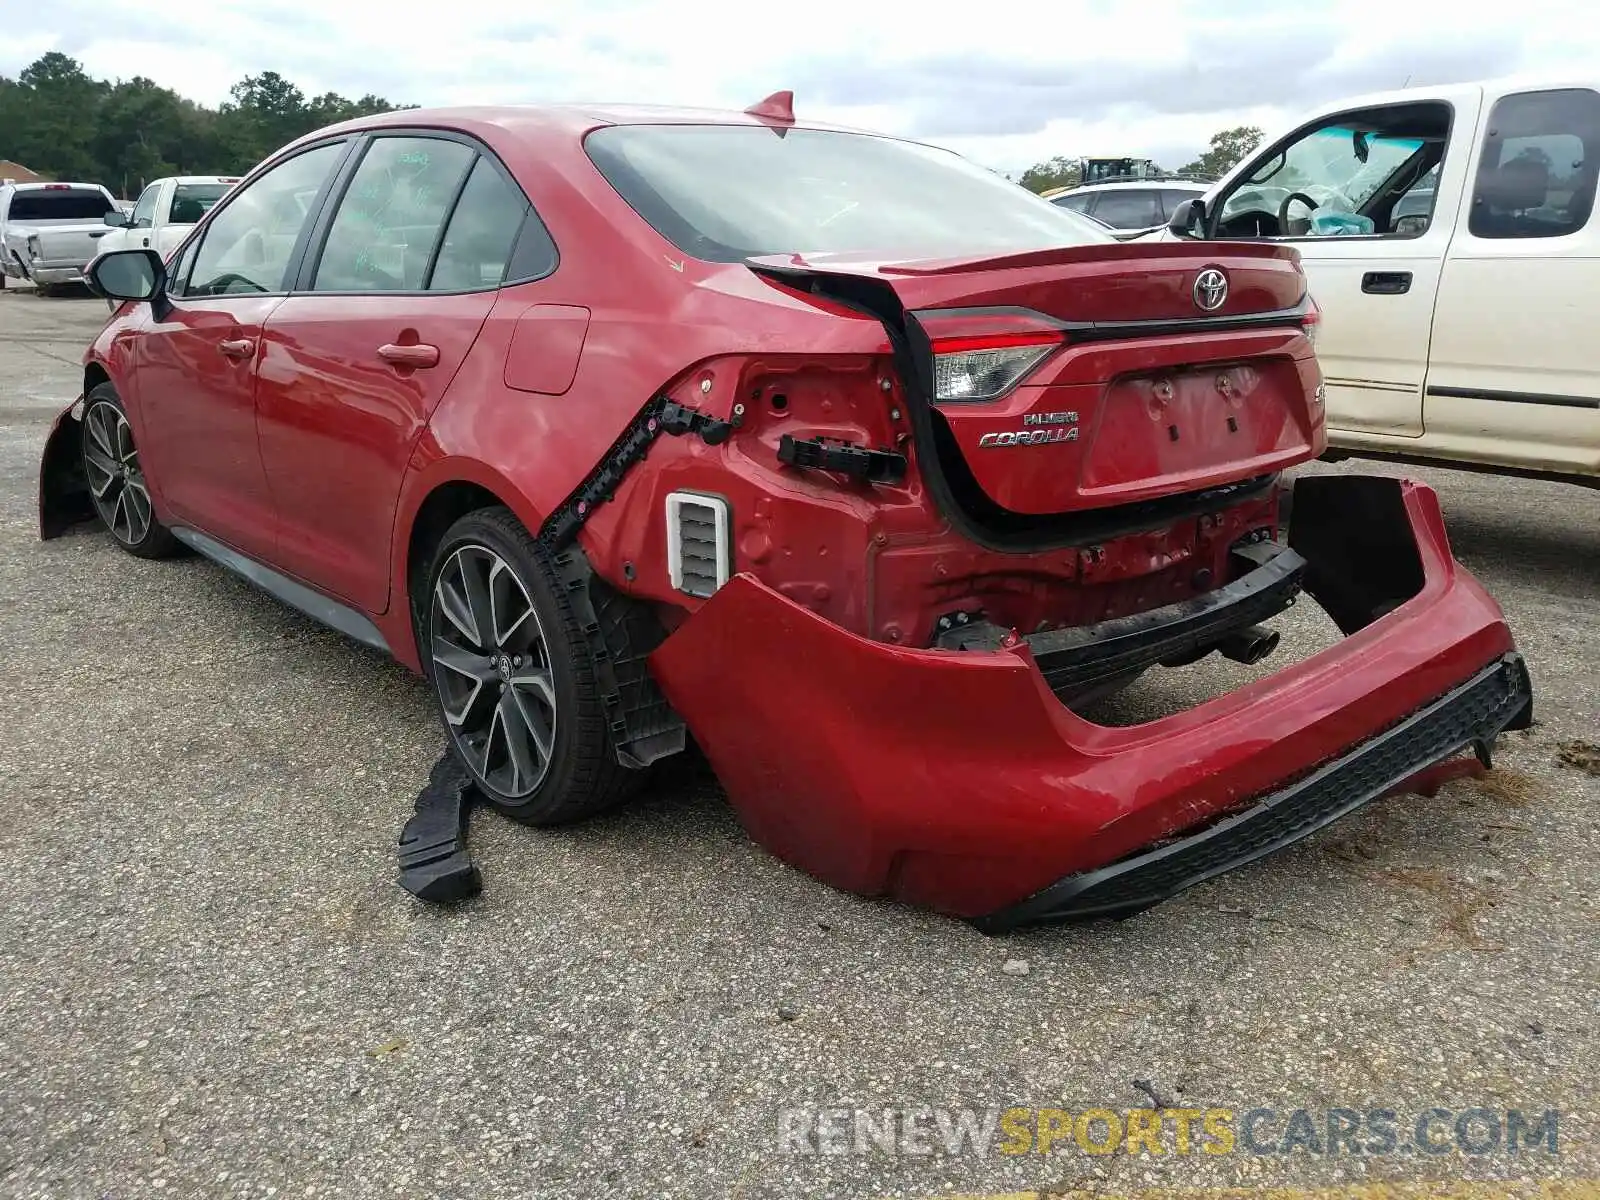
{"points": [[165, 213], [50, 231], [1450, 238]]}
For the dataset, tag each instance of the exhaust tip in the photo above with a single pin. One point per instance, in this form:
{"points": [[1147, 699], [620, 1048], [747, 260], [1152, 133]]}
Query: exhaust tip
{"points": [[1249, 646]]}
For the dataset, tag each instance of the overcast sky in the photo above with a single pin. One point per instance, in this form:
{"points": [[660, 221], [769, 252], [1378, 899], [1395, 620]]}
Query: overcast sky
{"points": [[1007, 83]]}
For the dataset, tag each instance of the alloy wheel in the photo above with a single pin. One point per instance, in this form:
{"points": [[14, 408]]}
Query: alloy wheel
{"points": [[491, 668], [116, 481]]}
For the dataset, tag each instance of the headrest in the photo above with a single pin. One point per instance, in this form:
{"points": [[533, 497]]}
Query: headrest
{"points": [[1522, 183]]}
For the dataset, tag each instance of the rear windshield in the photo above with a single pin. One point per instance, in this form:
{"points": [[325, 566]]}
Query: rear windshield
{"points": [[191, 201], [58, 204], [727, 192]]}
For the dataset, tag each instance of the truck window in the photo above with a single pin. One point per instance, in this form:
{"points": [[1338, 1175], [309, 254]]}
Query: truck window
{"points": [[1536, 176], [1128, 208], [58, 203], [1348, 174], [144, 212]]}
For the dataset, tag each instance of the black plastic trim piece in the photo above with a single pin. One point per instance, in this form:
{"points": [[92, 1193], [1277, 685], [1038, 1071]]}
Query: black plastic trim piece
{"points": [[435, 864], [1462, 393], [1071, 659], [621, 633], [843, 457], [1470, 715], [292, 592]]}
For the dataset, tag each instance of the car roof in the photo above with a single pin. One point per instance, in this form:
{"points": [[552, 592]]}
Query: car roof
{"points": [[576, 119], [541, 127], [1144, 183]]}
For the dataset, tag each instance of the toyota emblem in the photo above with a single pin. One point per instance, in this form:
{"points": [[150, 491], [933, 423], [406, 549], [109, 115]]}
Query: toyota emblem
{"points": [[1210, 289]]}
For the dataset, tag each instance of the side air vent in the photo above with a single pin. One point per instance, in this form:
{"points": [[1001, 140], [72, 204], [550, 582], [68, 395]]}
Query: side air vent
{"points": [[697, 542]]}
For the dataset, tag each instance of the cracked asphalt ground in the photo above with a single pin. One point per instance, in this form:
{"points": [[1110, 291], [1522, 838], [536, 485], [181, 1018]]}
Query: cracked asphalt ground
{"points": [[210, 984]]}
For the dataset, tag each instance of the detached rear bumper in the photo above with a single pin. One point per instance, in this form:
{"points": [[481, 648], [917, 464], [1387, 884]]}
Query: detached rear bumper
{"points": [[957, 780]]}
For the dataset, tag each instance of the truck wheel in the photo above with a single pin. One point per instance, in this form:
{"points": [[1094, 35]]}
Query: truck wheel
{"points": [[512, 676], [116, 479]]}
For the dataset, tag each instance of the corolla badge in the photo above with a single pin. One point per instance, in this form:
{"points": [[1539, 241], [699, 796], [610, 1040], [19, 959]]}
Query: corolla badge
{"points": [[1210, 289]]}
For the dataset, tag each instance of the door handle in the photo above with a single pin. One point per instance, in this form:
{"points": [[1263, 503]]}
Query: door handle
{"points": [[238, 348], [420, 355], [1386, 283]]}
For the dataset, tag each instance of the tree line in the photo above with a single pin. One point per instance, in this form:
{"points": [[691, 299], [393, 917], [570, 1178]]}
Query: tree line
{"points": [[57, 120], [1227, 147]]}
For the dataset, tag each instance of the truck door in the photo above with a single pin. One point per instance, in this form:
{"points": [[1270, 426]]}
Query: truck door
{"points": [[1514, 376], [1369, 198]]}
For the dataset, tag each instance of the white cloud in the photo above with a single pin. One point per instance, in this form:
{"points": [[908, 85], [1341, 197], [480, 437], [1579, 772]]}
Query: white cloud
{"points": [[1007, 85]]}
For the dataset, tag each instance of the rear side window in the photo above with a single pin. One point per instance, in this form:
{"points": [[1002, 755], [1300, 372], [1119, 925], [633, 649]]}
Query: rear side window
{"points": [[59, 204], [248, 246], [1076, 201], [390, 217], [477, 242], [727, 192], [1128, 208], [1536, 177]]}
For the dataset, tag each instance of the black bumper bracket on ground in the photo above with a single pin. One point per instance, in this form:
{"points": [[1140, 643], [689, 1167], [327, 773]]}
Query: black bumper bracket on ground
{"points": [[1470, 716], [434, 862]]}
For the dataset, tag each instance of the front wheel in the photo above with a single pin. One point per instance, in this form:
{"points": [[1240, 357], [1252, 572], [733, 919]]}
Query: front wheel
{"points": [[116, 480], [513, 677]]}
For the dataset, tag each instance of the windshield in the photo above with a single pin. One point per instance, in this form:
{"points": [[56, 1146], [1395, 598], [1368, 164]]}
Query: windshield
{"points": [[729, 192], [59, 204], [191, 201], [1336, 167]]}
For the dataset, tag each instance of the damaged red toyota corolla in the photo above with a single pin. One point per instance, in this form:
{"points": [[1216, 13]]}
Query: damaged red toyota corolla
{"points": [[858, 462]]}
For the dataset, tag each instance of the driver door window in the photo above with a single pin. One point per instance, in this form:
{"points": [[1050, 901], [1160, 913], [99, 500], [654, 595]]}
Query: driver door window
{"points": [[251, 241], [1363, 174], [144, 212]]}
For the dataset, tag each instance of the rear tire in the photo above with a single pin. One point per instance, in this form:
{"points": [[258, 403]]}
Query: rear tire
{"points": [[513, 678], [116, 479]]}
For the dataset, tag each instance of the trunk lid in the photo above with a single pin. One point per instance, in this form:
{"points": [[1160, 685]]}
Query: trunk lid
{"points": [[1103, 283], [1065, 383]]}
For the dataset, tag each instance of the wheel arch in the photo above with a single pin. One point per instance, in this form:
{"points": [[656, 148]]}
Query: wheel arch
{"points": [[439, 502]]}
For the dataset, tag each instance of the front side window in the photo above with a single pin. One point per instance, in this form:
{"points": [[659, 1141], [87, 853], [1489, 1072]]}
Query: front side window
{"points": [[1076, 201], [1128, 208], [728, 192], [1342, 178], [248, 246], [389, 220], [1536, 177], [144, 212]]}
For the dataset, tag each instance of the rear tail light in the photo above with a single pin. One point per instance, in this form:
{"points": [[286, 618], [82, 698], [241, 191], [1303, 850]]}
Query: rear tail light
{"points": [[987, 366], [698, 562], [1312, 321]]}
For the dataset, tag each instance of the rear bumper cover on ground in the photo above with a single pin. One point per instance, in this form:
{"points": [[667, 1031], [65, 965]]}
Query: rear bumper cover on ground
{"points": [[958, 781]]}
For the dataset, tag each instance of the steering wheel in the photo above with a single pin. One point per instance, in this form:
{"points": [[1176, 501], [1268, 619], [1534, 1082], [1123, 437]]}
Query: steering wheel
{"points": [[1283, 209]]}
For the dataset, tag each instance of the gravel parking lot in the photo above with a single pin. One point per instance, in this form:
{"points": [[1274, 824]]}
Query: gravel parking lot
{"points": [[210, 984]]}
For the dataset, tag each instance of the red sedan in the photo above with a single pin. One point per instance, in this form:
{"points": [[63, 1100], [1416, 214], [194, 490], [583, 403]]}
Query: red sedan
{"points": [[859, 463]]}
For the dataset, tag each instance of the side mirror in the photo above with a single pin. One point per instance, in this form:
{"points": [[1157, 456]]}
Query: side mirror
{"points": [[1187, 217], [127, 275], [118, 219]]}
